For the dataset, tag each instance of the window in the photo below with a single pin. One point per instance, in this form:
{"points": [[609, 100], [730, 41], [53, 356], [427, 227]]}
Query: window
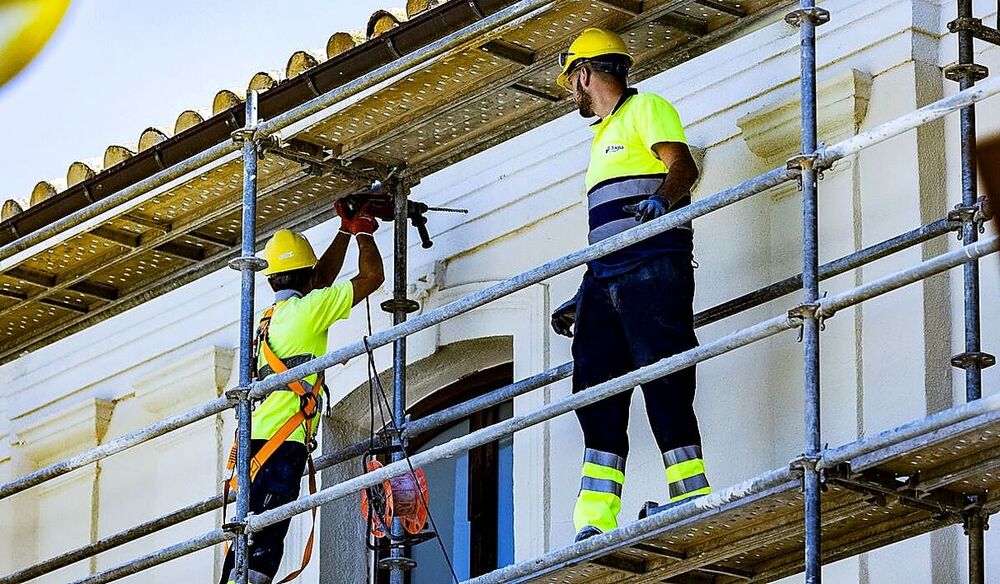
{"points": [[471, 496]]}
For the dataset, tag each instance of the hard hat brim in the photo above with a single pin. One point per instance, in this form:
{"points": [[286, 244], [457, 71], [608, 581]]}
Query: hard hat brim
{"points": [[271, 270], [563, 79]]}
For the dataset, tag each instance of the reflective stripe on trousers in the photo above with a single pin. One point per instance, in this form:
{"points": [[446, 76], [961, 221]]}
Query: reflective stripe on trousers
{"points": [[600, 496], [685, 473]]}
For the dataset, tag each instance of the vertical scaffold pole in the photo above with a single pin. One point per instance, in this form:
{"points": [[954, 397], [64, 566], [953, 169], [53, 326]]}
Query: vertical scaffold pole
{"points": [[973, 360], [974, 527], [807, 18], [399, 306], [247, 264], [967, 73], [400, 196]]}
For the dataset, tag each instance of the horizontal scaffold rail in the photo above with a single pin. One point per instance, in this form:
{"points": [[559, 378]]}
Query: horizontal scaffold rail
{"points": [[826, 308]]}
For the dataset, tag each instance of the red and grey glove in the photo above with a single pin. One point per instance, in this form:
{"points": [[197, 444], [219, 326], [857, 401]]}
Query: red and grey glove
{"points": [[362, 221]]}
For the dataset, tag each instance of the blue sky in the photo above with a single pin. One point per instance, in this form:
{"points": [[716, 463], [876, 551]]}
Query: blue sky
{"points": [[116, 67]]}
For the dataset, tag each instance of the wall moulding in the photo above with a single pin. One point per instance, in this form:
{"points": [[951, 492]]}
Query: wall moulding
{"points": [[773, 133], [185, 381], [47, 437]]}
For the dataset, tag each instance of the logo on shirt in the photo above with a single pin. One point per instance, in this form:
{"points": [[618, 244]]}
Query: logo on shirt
{"points": [[613, 149]]}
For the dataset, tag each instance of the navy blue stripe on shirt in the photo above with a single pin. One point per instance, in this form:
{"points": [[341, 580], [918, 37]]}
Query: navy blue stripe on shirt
{"points": [[612, 210]]}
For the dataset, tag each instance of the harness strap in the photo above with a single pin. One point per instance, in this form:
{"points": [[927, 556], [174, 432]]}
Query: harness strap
{"points": [[307, 554]]}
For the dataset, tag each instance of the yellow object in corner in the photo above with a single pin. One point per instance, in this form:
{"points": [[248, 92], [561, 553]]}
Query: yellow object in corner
{"points": [[25, 27]]}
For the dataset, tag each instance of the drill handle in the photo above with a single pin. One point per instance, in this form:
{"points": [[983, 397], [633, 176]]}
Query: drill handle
{"points": [[419, 221]]}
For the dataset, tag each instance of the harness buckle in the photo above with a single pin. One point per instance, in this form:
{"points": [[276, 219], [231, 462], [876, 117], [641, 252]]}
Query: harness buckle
{"points": [[309, 405]]}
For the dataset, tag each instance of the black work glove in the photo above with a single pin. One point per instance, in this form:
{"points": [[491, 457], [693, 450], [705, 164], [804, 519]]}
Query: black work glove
{"points": [[653, 207], [564, 317]]}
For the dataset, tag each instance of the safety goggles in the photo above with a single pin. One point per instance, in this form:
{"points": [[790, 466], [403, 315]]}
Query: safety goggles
{"points": [[564, 58]]}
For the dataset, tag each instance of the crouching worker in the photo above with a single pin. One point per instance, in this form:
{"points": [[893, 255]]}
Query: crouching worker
{"points": [[292, 331]]}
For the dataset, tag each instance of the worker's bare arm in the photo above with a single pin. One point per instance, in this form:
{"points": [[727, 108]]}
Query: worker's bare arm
{"points": [[370, 272], [330, 263], [682, 171]]}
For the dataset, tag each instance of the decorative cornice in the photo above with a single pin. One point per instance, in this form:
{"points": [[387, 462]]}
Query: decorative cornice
{"points": [[189, 380], [773, 133], [46, 436]]}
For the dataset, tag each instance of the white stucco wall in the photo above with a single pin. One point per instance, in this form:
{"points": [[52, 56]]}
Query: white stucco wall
{"points": [[882, 364]]}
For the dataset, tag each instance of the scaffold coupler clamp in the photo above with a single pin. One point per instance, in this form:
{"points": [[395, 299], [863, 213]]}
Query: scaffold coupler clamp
{"points": [[813, 161], [978, 214], [818, 16], [240, 527], [809, 462], [387, 442], [238, 394], [264, 143], [970, 72], [809, 310], [975, 517], [976, 27]]}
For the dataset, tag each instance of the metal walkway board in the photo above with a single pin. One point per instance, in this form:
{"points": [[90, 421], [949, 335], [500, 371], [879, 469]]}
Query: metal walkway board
{"points": [[754, 532]]}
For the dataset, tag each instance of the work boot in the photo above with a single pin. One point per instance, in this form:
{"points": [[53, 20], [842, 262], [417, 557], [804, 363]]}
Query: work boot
{"points": [[652, 507], [587, 532]]}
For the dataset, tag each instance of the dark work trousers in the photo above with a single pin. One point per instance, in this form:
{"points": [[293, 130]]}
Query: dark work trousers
{"points": [[276, 483], [625, 322]]}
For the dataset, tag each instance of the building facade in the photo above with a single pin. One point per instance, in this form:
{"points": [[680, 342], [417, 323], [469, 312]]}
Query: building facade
{"points": [[883, 363]]}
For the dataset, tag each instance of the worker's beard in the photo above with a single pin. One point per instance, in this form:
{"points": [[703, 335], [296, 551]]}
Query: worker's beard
{"points": [[584, 103]]}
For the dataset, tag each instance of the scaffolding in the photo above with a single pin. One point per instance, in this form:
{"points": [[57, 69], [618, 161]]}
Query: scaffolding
{"points": [[830, 502]]}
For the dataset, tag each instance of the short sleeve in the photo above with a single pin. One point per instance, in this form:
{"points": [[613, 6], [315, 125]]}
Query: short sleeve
{"points": [[656, 121], [328, 305]]}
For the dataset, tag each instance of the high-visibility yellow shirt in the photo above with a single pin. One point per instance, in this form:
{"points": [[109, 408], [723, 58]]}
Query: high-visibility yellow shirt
{"points": [[625, 170], [298, 326]]}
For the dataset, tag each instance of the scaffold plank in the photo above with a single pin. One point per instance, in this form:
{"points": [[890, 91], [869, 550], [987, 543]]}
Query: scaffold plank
{"points": [[900, 493]]}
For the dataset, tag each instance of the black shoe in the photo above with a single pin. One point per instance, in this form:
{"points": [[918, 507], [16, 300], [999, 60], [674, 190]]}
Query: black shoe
{"points": [[648, 508], [588, 531], [652, 507]]}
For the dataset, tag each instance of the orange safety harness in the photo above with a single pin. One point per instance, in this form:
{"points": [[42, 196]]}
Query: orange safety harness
{"points": [[304, 417]]}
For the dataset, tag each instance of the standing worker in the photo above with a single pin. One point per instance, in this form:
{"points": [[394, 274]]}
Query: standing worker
{"points": [[635, 306], [292, 331]]}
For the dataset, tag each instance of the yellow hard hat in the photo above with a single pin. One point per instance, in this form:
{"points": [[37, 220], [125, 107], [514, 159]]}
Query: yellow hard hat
{"points": [[592, 42], [287, 251], [27, 26]]}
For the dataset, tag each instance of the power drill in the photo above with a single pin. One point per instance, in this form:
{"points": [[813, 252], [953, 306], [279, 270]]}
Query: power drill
{"points": [[382, 207]]}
